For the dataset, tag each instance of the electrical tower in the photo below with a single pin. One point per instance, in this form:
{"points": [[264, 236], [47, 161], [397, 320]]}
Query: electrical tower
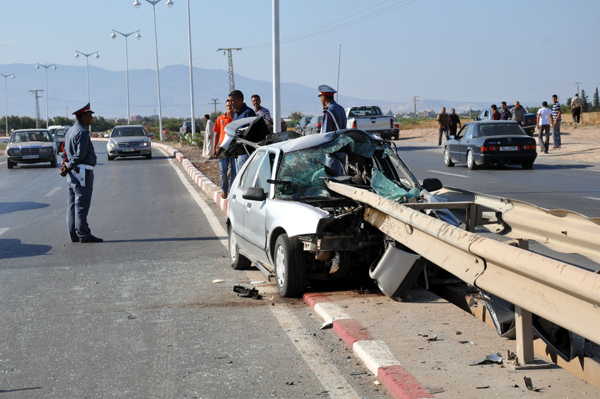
{"points": [[577, 83], [37, 107], [215, 101], [230, 59]]}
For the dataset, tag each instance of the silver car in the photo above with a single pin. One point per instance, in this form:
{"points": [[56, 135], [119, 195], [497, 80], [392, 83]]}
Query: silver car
{"points": [[30, 146], [129, 141], [283, 219]]}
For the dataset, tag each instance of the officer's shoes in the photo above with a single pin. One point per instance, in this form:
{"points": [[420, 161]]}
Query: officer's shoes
{"points": [[91, 239]]}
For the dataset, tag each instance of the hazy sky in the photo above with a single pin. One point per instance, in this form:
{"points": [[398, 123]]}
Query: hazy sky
{"points": [[460, 50]]}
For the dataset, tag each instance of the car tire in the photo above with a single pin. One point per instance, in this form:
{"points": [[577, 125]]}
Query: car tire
{"points": [[110, 158], [471, 164], [9, 164], [290, 267], [238, 262], [53, 163], [527, 164], [149, 156], [447, 159]]}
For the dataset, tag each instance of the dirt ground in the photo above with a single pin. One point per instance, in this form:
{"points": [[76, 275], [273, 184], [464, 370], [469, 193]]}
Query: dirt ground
{"points": [[580, 143]]}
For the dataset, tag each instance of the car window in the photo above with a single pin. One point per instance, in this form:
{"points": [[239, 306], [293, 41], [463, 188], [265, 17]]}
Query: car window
{"points": [[500, 129], [249, 175], [128, 132], [468, 132], [60, 132], [265, 172]]}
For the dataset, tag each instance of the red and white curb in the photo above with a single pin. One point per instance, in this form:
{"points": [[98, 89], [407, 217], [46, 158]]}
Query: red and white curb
{"points": [[375, 354]]}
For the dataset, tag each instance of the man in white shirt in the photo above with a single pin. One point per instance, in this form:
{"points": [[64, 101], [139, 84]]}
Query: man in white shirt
{"points": [[544, 121], [209, 137]]}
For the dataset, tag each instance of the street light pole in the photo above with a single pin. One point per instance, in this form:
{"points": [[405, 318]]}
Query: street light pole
{"points": [[191, 73], [126, 35], [12, 76], [170, 3], [87, 56], [37, 66]]}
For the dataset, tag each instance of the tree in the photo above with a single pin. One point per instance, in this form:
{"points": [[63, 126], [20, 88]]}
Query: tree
{"points": [[585, 102], [296, 115], [596, 101]]}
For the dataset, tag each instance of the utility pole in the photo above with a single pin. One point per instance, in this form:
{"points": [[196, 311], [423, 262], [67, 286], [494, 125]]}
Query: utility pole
{"points": [[577, 83], [37, 107], [415, 104], [215, 101], [230, 62]]}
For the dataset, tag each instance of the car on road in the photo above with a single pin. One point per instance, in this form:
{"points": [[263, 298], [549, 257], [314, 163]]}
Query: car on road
{"points": [[314, 126], [490, 143], [129, 141], [59, 137], [30, 146], [283, 218], [529, 119], [301, 125], [186, 127]]}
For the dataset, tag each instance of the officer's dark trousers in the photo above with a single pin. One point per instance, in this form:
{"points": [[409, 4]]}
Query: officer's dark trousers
{"points": [[78, 206]]}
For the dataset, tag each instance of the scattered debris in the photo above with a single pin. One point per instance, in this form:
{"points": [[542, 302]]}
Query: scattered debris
{"points": [[358, 373], [131, 317], [458, 333], [434, 390], [246, 292], [433, 338], [376, 382], [289, 383], [217, 281], [483, 387], [489, 359], [257, 282], [530, 386], [463, 342], [327, 324]]}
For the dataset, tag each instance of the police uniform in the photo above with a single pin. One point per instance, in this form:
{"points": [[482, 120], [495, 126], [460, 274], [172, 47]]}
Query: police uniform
{"points": [[334, 116], [80, 162]]}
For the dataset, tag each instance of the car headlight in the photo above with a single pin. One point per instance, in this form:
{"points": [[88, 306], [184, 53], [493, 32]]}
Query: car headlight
{"points": [[112, 143], [14, 151], [145, 143], [46, 150]]}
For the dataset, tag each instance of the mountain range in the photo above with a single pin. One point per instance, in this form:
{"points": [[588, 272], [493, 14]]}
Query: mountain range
{"points": [[68, 91]]}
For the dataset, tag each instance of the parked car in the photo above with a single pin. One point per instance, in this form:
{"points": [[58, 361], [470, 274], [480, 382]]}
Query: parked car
{"points": [[186, 127], [371, 119], [529, 119], [301, 125], [283, 218], [490, 143], [314, 126], [30, 146], [59, 137], [129, 141]]}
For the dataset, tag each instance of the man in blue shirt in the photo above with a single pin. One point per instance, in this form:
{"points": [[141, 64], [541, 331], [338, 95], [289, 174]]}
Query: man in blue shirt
{"points": [[334, 116], [79, 170], [236, 98]]}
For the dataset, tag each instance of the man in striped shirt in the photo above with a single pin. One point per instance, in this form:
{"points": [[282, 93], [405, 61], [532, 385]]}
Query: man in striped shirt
{"points": [[556, 118]]}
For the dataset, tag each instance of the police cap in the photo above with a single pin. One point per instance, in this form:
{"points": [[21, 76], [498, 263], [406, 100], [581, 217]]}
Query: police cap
{"points": [[325, 90], [83, 110]]}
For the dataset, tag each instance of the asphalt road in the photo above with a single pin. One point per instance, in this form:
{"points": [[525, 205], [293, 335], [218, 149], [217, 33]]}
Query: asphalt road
{"points": [[140, 315]]}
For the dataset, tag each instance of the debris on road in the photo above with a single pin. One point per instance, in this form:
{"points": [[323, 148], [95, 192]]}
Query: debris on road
{"points": [[327, 324], [530, 386], [246, 292], [488, 359], [216, 281]]}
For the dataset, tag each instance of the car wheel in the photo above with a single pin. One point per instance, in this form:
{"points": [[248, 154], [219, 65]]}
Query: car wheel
{"points": [[53, 163], [290, 269], [470, 161], [238, 262], [527, 164], [110, 158], [149, 156], [9, 164], [447, 159]]}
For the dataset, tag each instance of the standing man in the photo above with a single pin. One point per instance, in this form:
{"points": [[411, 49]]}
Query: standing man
{"points": [[518, 113], [334, 116], [262, 111], [544, 120], [556, 113], [78, 167], [209, 137], [454, 122], [505, 114], [495, 114], [576, 107], [443, 123], [224, 163], [236, 98]]}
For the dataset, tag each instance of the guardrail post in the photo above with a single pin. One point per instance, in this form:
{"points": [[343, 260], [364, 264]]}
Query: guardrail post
{"points": [[524, 330]]}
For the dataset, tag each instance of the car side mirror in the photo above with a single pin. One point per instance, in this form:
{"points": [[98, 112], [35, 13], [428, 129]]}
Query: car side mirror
{"points": [[254, 194], [477, 118], [432, 184]]}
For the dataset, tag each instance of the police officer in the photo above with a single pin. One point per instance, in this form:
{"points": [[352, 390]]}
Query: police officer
{"points": [[79, 167], [334, 116]]}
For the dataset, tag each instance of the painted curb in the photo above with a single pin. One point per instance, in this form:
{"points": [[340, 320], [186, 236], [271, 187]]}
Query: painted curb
{"points": [[374, 354]]}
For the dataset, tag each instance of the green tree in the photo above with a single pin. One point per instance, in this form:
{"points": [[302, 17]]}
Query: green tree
{"points": [[596, 101], [585, 102], [215, 115], [296, 115]]}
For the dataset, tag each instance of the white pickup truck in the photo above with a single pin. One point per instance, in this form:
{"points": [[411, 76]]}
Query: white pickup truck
{"points": [[372, 120]]}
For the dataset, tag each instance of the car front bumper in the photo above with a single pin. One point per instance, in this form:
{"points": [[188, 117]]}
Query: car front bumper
{"points": [[32, 158], [129, 151]]}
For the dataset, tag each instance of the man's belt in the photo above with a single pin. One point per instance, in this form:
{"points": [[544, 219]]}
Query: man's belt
{"points": [[86, 166]]}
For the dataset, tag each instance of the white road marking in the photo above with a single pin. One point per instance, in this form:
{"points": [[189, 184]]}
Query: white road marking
{"points": [[52, 192], [449, 174], [3, 230], [331, 378], [2, 163], [593, 198]]}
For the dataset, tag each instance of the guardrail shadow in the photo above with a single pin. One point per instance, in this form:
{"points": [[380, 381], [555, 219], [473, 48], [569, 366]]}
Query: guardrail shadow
{"points": [[11, 248]]}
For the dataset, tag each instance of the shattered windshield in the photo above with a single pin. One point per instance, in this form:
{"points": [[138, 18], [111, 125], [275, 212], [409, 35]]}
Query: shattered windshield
{"points": [[354, 159]]}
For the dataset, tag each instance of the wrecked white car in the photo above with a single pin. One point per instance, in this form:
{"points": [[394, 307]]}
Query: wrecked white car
{"points": [[283, 219]]}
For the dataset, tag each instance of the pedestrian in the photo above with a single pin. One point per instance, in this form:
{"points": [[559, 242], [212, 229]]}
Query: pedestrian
{"points": [[236, 98], [261, 111], [556, 117], [518, 113], [544, 121], [78, 167], [443, 124], [334, 116], [209, 137], [505, 114], [225, 164], [495, 114], [576, 108], [454, 122]]}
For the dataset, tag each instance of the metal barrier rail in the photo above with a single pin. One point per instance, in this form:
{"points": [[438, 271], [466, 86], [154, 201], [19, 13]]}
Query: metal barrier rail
{"points": [[556, 291]]}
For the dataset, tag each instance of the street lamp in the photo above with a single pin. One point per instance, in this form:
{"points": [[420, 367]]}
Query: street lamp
{"points": [[87, 62], [126, 35], [191, 73], [170, 3], [37, 66], [12, 76]]}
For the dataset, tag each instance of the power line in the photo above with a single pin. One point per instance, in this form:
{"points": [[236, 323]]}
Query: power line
{"points": [[228, 51]]}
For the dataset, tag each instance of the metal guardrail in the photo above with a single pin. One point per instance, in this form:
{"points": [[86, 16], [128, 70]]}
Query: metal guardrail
{"points": [[559, 292]]}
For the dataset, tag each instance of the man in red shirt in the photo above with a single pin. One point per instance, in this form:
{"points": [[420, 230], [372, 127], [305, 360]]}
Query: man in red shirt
{"points": [[224, 163]]}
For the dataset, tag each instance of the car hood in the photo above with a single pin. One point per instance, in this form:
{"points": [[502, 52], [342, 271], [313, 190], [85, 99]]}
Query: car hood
{"points": [[30, 144], [127, 139]]}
